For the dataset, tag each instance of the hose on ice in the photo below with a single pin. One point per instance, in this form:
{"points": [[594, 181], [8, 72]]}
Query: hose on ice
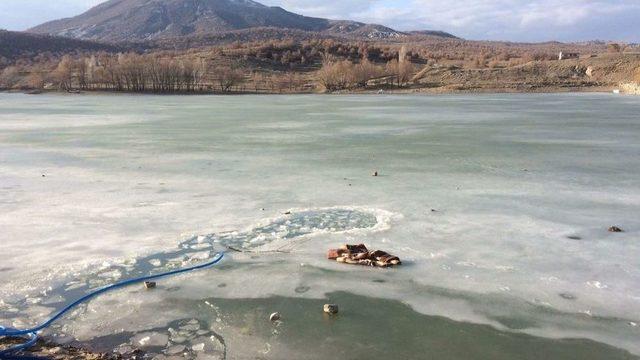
{"points": [[31, 335]]}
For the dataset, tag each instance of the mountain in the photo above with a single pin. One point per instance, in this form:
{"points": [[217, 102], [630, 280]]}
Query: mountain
{"points": [[138, 20], [15, 45]]}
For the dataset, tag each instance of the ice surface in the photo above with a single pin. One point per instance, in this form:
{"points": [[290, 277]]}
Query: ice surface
{"points": [[524, 188]]}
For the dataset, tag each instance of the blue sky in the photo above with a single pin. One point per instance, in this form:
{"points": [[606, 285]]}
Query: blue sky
{"points": [[514, 20]]}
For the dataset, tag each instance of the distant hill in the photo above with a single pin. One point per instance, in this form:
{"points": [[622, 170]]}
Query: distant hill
{"points": [[140, 20], [15, 45], [435, 33]]}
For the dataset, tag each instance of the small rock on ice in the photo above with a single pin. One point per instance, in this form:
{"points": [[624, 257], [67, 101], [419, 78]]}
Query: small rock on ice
{"points": [[615, 229], [275, 316], [331, 309]]}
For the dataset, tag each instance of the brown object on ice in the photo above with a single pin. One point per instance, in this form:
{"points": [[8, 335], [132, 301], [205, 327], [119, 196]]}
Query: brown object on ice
{"points": [[150, 285], [615, 229], [333, 254], [360, 255]]}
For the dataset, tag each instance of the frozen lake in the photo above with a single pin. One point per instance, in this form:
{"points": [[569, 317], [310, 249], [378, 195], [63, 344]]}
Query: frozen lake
{"points": [[499, 206]]}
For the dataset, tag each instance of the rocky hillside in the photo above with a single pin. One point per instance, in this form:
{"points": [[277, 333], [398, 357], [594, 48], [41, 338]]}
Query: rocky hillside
{"points": [[14, 45], [136, 20]]}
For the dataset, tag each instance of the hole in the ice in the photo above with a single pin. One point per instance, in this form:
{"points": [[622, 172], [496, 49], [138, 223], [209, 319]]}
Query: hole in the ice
{"points": [[295, 225]]}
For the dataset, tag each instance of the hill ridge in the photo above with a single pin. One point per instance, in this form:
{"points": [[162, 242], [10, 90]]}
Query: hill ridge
{"points": [[140, 20]]}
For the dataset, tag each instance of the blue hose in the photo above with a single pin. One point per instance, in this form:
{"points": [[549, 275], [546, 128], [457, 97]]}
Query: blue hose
{"points": [[32, 333]]}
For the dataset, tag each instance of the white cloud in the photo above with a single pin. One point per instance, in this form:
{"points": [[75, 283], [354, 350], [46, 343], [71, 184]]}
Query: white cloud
{"points": [[333, 9], [534, 20], [517, 20]]}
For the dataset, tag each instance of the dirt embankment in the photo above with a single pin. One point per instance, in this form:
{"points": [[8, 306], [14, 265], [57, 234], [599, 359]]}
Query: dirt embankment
{"points": [[604, 72], [630, 88]]}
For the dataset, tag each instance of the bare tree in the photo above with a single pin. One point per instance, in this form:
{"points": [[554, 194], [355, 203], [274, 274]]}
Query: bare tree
{"points": [[81, 68], [402, 71], [35, 80], [365, 71], [9, 77], [63, 73], [335, 75], [228, 76], [614, 48]]}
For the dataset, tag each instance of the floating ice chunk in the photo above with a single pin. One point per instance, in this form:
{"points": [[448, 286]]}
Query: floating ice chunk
{"points": [[205, 356], [34, 300], [53, 300], [199, 256], [74, 286], [124, 349], [178, 339], [200, 246], [111, 275], [190, 327], [193, 325], [151, 339], [175, 350], [155, 262], [198, 347]]}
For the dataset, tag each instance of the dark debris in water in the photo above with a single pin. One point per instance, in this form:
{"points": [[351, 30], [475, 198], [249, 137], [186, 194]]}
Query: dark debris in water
{"points": [[49, 350]]}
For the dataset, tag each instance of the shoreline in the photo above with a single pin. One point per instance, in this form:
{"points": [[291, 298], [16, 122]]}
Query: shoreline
{"points": [[305, 330], [445, 90]]}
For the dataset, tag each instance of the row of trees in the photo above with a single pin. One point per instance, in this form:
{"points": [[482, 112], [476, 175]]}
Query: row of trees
{"points": [[344, 74], [142, 73], [166, 74]]}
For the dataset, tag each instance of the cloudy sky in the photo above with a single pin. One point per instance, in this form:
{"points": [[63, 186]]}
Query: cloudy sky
{"points": [[515, 20]]}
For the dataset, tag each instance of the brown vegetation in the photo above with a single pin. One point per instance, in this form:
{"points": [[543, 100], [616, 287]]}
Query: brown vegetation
{"points": [[290, 65]]}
